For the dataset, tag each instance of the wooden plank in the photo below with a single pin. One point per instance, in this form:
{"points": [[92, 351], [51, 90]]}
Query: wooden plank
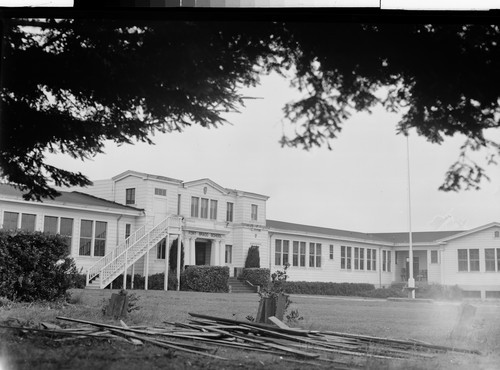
{"points": [[278, 322]]}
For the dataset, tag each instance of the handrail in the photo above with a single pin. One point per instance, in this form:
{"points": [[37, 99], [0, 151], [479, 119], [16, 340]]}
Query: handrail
{"points": [[95, 269], [156, 230]]}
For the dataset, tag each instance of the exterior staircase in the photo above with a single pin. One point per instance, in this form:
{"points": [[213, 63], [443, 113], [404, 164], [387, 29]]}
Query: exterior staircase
{"points": [[240, 286], [113, 264]]}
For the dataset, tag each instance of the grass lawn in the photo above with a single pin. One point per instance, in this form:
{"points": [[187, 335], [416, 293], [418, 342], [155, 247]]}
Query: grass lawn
{"points": [[428, 322]]}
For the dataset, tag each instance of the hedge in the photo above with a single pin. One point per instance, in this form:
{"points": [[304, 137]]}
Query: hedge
{"points": [[321, 288], [155, 281], [256, 276], [205, 279], [35, 266]]}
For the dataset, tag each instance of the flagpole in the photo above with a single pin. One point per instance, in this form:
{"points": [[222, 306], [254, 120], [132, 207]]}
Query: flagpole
{"points": [[411, 280]]}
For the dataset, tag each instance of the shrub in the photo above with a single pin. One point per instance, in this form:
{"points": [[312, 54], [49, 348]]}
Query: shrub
{"points": [[172, 255], [79, 281], [155, 281], [256, 276], [35, 266], [393, 291], [321, 288], [253, 257], [205, 279]]}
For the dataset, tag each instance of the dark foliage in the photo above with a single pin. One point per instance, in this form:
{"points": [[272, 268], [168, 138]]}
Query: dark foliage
{"points": [[256, 276], [321, 288], [213, 279], [172, 261], [253, 257], [122, 80], [155, 281], [35, 266]]}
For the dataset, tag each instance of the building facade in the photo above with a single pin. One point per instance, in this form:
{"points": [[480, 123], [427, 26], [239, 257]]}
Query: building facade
{"points": [[126, 223]]}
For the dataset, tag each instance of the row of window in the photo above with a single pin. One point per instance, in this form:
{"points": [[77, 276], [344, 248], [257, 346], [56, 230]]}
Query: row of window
{"points": [[92, 233], [356, 258], [298, 253], [468, 260]]}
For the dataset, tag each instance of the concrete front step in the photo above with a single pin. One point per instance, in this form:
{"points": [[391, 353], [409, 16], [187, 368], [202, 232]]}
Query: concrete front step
{"points": [[238, 286]]}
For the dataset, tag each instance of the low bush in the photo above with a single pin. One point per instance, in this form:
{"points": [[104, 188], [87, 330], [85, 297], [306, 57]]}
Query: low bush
{"points": [[391, 292], [79, 281], [155, 281], [322, 288], [35, 266], [211, 279], [256, 276]]}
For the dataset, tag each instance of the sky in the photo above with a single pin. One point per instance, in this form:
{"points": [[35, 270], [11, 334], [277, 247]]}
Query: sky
{"points": [[360, 185]]}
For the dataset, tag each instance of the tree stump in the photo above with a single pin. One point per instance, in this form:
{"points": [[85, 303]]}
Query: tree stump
{"points": [[271, 306], [117, 306], [463, 328]]}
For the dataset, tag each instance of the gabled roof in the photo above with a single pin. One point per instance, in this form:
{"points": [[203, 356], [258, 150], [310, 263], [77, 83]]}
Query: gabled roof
{"points": [[144, 176], [416, 236], [206, 181], [334, 233], [68, 198]]}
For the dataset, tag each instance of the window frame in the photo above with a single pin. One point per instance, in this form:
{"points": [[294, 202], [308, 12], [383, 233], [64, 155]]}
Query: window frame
{"points": [[130, 196], [195, 206], [228, 254], [254, 212], [229, 211]]}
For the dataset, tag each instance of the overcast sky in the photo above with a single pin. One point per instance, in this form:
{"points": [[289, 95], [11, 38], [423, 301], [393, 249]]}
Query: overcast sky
{"points": [[360, 185]]}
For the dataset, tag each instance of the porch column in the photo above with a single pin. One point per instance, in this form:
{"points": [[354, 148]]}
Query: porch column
{"points": [[146, 270], [167, 255], [216, 254], [187, 252], [179, 244], [192, 254], [222, 251]]}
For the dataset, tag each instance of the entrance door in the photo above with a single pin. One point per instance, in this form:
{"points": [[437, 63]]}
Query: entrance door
{"points": [[415, 267], [199, 253]]}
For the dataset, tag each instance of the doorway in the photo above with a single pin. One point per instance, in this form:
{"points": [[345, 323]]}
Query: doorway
{"points": [[202, 252]]}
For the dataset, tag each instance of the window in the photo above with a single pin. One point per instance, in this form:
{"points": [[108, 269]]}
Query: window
{"points": [[195, 205], [463, 260], [318, 255], [85, 237], [474, 259], [10, 220], [311, 254], [127, 230], [368, 259], [286, 251], [91, 238], [374, 259], [345, 257], [66, 229], [178, 204], [277, 252], [295, 257], [229, 212], [434, 256], [161, 192], [229, 254], [331, 251], [302, 259], [254, 212], [356, 258], [388, 261], [384, 260], [497, 234], [130, 196], [161, 248], [361, 258], [489, 259], [50, 224], [213, 210], [100, 239], [498, 259], [204, 208], [28, 222]]}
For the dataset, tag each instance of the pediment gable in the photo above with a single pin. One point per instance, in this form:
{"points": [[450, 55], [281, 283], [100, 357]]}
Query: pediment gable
{"points": [[206, 185]]}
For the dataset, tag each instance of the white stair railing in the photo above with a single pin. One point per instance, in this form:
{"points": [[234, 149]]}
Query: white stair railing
{"points": [[132, 250]]}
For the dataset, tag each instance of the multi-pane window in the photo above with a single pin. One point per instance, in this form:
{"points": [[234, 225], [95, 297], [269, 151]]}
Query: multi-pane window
{"points": [[302, 256], [50, 224], [434, 256], [368, 259], [130, 196], [229, 254], [312, 251], [489, 259], [345, 257], [92, 241], [361, 258], [195, 204], [356, 258], [127, 230], [85, 237], [474, 259], [100, 238], [10, 220], [331, 251], [463, 260], [386, 261], [28, 222], [229, 212], [161, 192], [254, 212], [277, 252], [213, 209], [204, 208], [318, 255], [295, 256], [498, 259], [286, 251], [374, 259], [389, 261]]}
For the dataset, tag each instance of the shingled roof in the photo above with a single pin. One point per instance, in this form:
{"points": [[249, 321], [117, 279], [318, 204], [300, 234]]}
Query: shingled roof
{"points": [[73, 197]]}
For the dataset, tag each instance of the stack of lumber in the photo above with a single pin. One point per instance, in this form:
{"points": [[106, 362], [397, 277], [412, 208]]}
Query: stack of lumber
{"points": [[203, 334]]}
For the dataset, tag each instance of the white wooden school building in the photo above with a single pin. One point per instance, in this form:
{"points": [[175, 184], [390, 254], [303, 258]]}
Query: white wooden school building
{"points": [[124, 223]]}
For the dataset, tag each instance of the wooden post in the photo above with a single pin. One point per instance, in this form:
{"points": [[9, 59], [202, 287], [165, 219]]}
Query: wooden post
{"points": [[179, 243], [132, 277], [125, 270], [167, 262], [146, 270]]}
